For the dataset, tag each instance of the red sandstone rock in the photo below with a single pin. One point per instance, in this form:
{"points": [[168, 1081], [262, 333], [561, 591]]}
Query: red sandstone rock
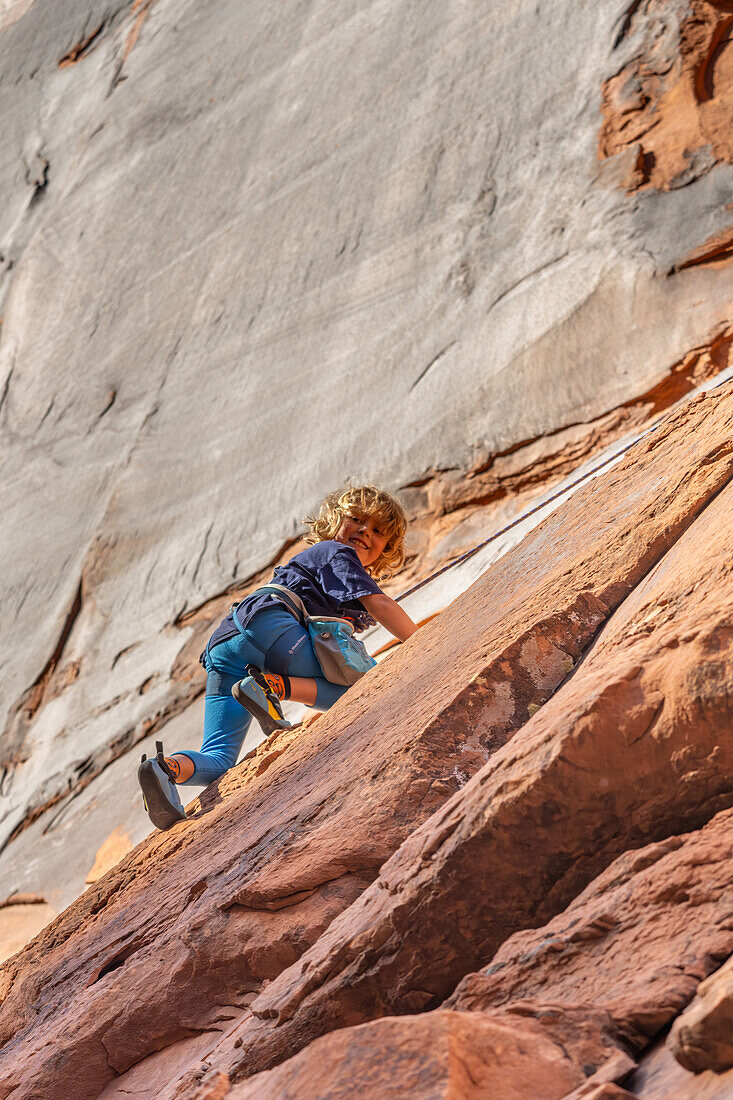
{"points": [[661, 1077], [635, 943], [672, 103], [603, 1092], [471, 1055], [635, 747], [624, 955], [702, 1038], [193, 922]]}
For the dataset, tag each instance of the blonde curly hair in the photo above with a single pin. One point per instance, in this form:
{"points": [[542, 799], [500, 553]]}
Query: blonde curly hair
{"points": [[358, 501]]}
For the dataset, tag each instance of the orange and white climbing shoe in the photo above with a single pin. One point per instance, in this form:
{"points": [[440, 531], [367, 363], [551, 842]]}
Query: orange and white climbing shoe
{"points": [[255, 694]]}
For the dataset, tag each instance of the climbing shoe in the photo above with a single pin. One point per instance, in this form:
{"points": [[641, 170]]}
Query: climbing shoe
{"points": [[160, 795], [271, 682], [255, 695]]}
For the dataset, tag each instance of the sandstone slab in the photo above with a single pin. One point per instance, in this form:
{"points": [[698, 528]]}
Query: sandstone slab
{"points": [[602, 1092], [702, 1037], [670, 104], [628, 952], [441, 1055], [634, 748], [177, 1069], [635, 943], [661, 1077]]}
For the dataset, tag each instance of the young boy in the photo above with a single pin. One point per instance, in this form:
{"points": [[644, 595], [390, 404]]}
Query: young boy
{"points": [[261, 654]]}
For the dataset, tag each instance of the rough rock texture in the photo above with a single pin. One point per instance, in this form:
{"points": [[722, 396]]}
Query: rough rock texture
{"points": [[702, 1038], [636, 943], [171, 948], [671, 105], [661, 1077], [225, 226], [629, 951], [445, 1054]]}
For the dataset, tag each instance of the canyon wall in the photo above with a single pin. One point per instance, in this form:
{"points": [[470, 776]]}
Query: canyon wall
{"points": [[248, 252]]}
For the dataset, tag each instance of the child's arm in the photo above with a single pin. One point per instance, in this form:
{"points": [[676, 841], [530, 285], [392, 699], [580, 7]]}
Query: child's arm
{"points": [[390, 615]]}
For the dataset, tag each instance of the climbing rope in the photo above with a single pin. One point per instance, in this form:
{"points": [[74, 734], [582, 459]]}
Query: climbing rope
{"points": [[543, 504]]}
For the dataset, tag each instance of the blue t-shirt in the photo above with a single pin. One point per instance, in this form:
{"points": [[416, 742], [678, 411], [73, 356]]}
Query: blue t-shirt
{"points": [[328, 577]]}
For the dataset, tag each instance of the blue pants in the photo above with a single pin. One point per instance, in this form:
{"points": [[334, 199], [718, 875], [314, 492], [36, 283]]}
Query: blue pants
{"points": [[274, 640]]}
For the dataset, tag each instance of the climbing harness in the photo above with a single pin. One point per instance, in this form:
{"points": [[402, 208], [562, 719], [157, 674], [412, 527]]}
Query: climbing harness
{"points": [[342, 657]]}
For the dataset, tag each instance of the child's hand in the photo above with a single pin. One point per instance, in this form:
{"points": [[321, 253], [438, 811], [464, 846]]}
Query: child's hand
{"points": [[390, 615]]}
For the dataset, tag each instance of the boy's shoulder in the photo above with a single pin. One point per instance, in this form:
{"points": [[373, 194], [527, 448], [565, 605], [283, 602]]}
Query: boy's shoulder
{"points": [[325, 550], [329, 553]]}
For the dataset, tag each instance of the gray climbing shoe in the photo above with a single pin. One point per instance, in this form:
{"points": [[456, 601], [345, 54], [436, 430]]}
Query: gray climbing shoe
{"points": [[160, 794]]}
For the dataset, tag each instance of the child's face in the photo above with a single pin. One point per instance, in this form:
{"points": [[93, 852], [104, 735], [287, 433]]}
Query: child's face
{"points": [[363, 534]]}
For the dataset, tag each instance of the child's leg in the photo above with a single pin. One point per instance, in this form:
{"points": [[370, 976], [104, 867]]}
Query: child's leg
{"points": [[316, 691], [303, 690], [225, 721], [225, 727]]}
